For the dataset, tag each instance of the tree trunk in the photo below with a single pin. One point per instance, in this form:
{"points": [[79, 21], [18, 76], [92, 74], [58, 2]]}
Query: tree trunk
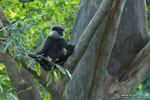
{"points": [[131, 38], [21, 80]]}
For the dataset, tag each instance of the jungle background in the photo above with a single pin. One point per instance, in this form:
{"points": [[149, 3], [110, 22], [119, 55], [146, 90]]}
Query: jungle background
{"points": [[33, 19]]}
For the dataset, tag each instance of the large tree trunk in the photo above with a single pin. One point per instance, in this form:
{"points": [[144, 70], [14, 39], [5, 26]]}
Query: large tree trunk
{"points": [[132, 37]]}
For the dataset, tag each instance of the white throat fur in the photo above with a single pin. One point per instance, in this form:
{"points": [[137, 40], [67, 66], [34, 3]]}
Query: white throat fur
{"points": [[55, 34]]}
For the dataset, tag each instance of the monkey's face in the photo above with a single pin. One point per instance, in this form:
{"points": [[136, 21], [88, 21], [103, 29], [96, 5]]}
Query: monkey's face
{"points": [[60, 32], [57, 34]]}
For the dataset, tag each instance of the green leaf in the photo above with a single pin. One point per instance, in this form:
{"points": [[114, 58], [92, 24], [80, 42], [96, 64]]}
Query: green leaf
{"points": [[49, 78], [48, 83], [2, 66], [26, 1], [38, 70], [12, 96], [1, 47], [38, 41], [140, 87], [7, 45], [19, 56], [18, 64], [55, 77], [61, 68], [6, 22], [69, 74], [49, 74], [2, 29], [1, 89]]}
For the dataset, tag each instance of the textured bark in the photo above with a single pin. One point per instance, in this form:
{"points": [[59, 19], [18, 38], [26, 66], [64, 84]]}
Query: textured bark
{"points": [[121, 88], [102, 13], [132, 36]]}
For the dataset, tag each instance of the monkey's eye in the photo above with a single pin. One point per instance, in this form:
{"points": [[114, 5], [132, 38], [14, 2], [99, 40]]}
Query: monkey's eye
{"points": [[60, 32]]}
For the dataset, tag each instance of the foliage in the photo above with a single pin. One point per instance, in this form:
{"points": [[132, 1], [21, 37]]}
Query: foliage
{"points": [[142, 92], [29, 26], [29, 23]]}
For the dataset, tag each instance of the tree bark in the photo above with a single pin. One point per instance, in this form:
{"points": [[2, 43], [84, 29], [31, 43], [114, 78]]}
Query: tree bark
{"points": [[21, 80], [132, 37], [121, 88]]}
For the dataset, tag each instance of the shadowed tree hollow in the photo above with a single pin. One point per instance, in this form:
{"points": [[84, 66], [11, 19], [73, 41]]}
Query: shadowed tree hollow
{"points": [[110, 59]]}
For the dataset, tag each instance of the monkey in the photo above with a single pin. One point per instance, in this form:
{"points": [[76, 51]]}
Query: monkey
{"points": [[53, 47]]}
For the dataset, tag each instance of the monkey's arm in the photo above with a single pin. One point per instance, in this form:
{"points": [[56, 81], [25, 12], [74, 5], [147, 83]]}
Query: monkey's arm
{"points": [[45, 46], [69, 48]]}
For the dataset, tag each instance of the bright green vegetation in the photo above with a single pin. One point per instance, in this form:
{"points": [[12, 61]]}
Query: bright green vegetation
{"points": [[29, 23]]}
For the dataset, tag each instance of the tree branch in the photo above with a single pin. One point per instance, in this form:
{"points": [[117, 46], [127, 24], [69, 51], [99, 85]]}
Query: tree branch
{"points": [[86, 37], [51, 88], [105, 46], [88, 34], [20, 80]]}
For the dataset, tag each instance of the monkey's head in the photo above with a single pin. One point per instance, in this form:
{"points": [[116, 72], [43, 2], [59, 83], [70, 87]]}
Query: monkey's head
{"points": [[57, 32]]}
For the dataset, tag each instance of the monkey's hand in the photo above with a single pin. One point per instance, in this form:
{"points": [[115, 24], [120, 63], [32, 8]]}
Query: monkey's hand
{"points": [[70, 50], [62, 60]]}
